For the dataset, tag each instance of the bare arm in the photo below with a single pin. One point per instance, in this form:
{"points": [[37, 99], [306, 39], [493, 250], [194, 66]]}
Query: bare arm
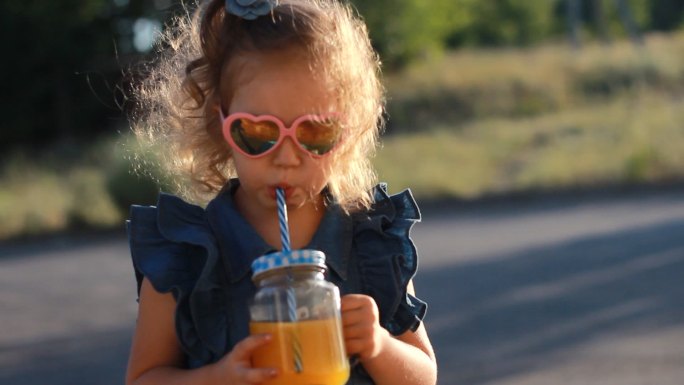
{"points": [[405, 359], [156, 356]]}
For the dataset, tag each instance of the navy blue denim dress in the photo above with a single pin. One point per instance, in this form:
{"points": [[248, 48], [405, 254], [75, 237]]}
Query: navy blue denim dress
{"points": [[203, 257]]}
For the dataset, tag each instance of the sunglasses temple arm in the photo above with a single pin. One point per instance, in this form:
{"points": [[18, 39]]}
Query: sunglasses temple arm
{"points": [[220, 111]]}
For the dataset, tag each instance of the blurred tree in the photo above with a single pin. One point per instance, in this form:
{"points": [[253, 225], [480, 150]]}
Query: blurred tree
{"points": [[46, 45], [599, 16], [403, 30], [624, 17], [503, 22], [63, 59], [63, 63], [573, 16], [666, 15]]}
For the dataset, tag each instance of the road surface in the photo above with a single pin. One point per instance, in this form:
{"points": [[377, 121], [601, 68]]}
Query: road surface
{"points": [[558, 291]]}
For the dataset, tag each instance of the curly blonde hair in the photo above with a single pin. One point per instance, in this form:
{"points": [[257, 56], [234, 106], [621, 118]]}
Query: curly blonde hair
{"points": [[176, 101]]}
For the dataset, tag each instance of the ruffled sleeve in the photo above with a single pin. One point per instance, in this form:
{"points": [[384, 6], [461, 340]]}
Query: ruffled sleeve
{"points": [[388, 258], [172, 245]]}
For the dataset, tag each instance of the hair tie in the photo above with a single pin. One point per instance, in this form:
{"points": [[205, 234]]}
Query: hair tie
{"points": [[250, 9]]}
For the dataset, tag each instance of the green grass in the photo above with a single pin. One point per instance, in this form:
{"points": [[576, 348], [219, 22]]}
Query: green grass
{"points": [[629, 140], [37, 200], [70, 187], [517, 83]]}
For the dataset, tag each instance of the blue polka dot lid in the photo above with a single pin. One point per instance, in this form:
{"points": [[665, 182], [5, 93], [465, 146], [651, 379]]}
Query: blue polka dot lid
{"points": [[283, 259]]}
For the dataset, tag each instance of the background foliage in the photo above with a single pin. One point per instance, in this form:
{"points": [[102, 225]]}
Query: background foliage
{"points": [[64, 70], [491, 85]]}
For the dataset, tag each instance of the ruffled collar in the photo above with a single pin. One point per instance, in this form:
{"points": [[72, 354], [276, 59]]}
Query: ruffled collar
{"points": [[235, 236]]}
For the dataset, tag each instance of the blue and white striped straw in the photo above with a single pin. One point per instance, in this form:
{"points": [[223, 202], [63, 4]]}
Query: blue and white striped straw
{"points": [[282, 218], [291, 300]]}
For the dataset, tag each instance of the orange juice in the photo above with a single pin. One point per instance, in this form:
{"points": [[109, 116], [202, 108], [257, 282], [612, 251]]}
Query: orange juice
{"points": [[323, 359]]}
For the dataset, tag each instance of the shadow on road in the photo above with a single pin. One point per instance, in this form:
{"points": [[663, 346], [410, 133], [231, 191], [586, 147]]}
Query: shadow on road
{"points": [[511, 313], [89, 359]]}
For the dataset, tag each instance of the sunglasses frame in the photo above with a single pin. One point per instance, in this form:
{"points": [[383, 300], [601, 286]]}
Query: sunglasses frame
{"points": [[283, 131]]}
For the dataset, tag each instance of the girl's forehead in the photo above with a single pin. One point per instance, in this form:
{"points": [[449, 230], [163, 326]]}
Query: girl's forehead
{"points": [[281, 83]]}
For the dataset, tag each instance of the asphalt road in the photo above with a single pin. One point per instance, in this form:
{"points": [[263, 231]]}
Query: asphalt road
{"points": [[557, 291]]}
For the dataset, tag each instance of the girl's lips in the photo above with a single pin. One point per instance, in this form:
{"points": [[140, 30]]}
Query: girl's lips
{"points": [[288, 190]]}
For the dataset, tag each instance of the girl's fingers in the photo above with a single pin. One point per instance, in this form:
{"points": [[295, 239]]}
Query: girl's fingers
{"points": [[243, 350], [354, 301], [357, 303], [357, 332], [360, 323], [352, 346], [356, 346], [259, 375], [350, 318]]}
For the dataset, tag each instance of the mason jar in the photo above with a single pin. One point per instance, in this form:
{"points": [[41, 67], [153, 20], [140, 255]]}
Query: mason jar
{"points": [[301, 310]]}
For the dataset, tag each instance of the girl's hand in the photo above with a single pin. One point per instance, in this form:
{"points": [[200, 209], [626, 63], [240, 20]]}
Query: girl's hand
{"points": [[235, 368], [363, 335]]}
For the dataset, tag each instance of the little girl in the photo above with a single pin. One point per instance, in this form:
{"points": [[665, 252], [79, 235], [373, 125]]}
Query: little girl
{"points": [[251, 96]]}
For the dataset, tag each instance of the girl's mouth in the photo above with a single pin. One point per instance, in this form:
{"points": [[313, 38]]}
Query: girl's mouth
{"points": [[287, 188]]}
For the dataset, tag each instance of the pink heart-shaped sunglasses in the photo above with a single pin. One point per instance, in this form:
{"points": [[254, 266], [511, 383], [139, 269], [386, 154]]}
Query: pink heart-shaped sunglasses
{"points": [[256, 136]]}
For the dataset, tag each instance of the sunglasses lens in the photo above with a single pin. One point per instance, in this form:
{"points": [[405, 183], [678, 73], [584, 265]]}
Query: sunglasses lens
{"points": [[254, 137], [319, 136]]}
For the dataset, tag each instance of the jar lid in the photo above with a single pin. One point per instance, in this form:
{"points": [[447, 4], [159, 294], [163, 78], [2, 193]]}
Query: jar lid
{"points": [[283, 259]]}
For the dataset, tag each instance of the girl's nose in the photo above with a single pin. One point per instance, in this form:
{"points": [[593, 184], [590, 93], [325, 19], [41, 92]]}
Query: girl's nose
{"points": [[287, 154]]}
